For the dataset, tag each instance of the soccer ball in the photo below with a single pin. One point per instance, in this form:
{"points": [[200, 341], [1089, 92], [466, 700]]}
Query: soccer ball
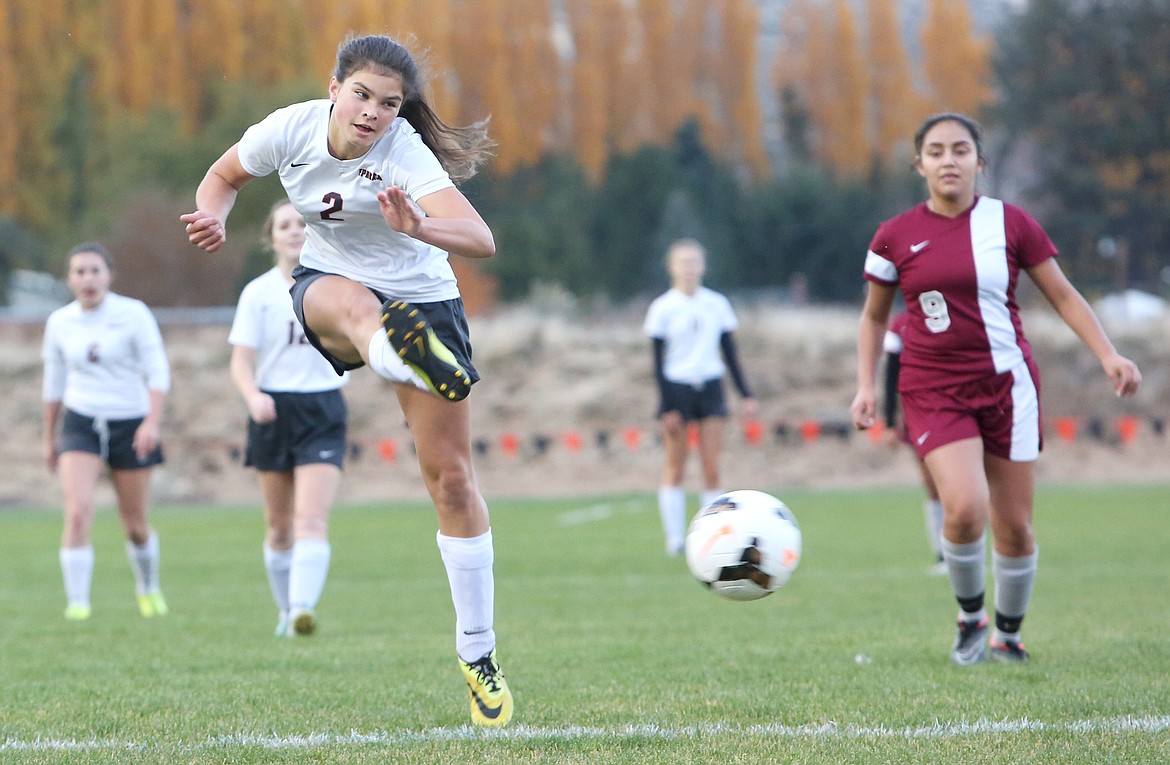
{"points": [[743, 545]]}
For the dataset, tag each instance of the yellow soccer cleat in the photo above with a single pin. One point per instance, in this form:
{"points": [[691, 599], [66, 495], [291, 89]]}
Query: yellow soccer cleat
{"points": [[152, 604], [421, 349], [491, 701], [77, 612]]}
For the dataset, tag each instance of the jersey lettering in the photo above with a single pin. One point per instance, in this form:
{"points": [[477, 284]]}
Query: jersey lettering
{"points": [[333, 199], [295, 335], [938, 315]]}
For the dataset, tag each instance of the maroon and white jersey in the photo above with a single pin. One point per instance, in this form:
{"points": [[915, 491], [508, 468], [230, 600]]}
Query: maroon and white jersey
{"points": [[958, 277]]}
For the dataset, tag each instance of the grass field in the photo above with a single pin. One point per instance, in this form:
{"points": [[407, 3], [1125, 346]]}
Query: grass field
{"points": [[614, 654]]}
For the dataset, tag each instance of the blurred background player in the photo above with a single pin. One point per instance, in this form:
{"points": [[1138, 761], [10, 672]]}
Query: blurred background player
{"points": [[895, 435], [106, 379], [969, 385], [372, 169], [296, 427], [692, 332]]}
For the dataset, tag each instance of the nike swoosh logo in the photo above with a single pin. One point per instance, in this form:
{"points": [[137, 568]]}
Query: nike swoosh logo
{"points": [[298, 164], [913, 247], [923, 437], [326, 454], [484, 709]]}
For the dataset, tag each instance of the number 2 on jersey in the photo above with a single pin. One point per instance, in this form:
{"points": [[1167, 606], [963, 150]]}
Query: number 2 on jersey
{"points": [[934, 305], [335, 203]]}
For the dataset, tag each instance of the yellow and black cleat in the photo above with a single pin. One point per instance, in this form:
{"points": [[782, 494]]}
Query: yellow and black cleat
{"points": [[421, 349]]}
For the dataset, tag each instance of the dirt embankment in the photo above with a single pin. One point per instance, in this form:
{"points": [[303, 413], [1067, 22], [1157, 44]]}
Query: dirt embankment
{"points": [[566, 403]]}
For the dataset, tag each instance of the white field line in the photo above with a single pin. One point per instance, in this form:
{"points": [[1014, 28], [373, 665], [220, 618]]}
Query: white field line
{"points": [[599, 512], [523, 733]]}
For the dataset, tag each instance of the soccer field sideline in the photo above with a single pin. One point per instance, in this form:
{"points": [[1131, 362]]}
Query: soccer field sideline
{"points": [[524, 733]]}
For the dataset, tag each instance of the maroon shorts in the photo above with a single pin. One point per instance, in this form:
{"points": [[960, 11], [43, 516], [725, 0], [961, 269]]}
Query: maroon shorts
{"points": [[1003, 410]]}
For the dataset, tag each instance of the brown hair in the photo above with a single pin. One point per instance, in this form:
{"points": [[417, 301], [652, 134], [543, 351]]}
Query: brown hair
{"points": [[460, 150]]}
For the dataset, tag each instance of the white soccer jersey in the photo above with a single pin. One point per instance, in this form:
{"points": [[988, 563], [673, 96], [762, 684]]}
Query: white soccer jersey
{"points": [[104, 362], [346, 233], [285, 362], [691, 325]]}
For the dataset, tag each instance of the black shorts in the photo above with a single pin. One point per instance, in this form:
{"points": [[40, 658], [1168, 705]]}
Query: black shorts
{"points": [[446, 317], [694, 402], [309, 428], [112, 440]]}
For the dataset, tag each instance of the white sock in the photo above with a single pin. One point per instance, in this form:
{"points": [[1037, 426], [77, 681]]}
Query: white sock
{"points": [[144, 563], [306, 577], [77, 571], [965, 564], [932, 511], [672, 508], [386, 363], [277, 563], [1014, 578], [473, 591], [709, 496]]}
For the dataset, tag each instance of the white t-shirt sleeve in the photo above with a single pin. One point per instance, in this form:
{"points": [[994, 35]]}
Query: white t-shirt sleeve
{"points": [[892, 342], [53, 385], [156, 369], [728, 322], [264, 145], [418, 171], [246, 327], [653, 326]]}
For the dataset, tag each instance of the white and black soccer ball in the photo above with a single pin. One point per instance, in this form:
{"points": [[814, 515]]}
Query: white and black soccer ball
{"points": [[743, 545]]}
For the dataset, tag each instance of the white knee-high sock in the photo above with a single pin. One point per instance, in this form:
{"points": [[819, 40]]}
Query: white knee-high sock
{"points": [[144, 563], [965, 563], [932, 512], [672, 508], [473, 591], [77, 571], [386, 363], [277, 564], [309, 565], [1014, 578]]}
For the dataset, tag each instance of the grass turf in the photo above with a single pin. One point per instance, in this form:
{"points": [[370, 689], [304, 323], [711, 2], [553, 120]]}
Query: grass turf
{"points": [[614, 654]]}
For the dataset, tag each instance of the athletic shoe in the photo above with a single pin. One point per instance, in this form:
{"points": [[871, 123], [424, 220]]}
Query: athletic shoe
{"points": [[282, 625], [970, 646], [1008, 651], [420, 348], [303, 622], [152, 604], [491, 701], [76, 612]]}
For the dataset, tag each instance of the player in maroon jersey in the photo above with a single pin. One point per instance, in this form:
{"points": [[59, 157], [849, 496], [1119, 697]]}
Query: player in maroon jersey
{"points": [[970, 389]]}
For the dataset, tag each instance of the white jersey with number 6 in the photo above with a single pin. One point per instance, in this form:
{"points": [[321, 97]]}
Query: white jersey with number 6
{"points": [[346, 233]]}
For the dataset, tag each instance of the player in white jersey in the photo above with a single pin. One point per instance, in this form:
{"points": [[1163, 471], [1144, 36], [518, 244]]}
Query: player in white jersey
{"points": [[371, 170], [296, 427], [106, 379], [969, 386], [692, 330]]}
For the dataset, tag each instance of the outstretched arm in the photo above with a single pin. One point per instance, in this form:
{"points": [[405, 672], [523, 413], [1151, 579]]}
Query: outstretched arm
{"points": [[1077, 314], [214, 199]]}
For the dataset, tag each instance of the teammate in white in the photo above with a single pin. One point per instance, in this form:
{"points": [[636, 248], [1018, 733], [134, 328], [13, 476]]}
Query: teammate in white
{"points": [[371, 170], [969, 385], [690, 326], [106, 379], [296, 427]]}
